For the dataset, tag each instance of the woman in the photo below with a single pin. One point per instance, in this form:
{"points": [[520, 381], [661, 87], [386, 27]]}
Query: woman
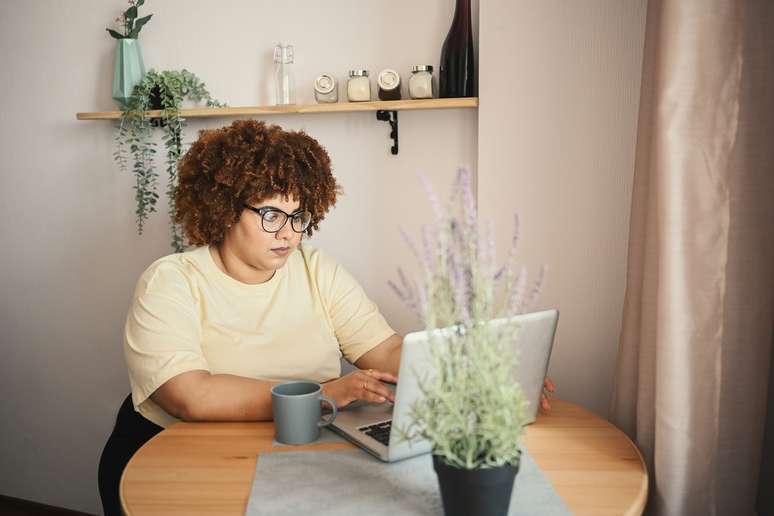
{"points": [[211, 330]]}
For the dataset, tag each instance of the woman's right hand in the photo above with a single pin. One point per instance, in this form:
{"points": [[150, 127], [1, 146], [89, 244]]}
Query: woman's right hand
{"points": [[360, 385]]}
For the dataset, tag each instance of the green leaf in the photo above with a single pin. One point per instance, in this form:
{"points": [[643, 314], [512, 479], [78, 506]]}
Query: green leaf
{"points": [[115, 34], [139, 3], [138, 25], [131, 13], [135, 135]]}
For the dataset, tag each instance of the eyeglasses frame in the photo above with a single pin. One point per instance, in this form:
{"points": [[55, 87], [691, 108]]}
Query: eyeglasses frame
{"points": [[288, 217]]}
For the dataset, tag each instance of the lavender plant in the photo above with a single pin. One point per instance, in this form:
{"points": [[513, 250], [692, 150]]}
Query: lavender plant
{"points": [[472, 410]]}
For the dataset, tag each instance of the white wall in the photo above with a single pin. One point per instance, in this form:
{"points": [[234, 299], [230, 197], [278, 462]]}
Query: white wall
{"points": [[71, 255], [559, 88]]}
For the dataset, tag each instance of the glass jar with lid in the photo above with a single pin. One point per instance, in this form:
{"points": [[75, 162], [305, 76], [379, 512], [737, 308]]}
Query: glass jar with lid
{"points": [[358, 86], [325, 89], [388, 82], [421, 82]]}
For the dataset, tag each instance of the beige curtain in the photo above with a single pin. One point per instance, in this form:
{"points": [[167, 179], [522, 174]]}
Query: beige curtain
{"points": [[694, 358]]}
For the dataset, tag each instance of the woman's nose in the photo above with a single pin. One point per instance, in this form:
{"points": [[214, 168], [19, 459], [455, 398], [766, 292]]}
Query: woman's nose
{"points": [[286, 233]]}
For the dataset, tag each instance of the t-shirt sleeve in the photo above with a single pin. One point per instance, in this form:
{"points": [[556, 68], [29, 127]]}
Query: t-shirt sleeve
{"points": [[356, 320], [162, 337]]}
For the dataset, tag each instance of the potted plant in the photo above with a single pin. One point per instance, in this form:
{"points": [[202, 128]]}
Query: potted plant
{"points": [[129, 68], [472, 410], [135, 131]]}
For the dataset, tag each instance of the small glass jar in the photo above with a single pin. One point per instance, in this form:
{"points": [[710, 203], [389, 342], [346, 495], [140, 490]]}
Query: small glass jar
{"points": [[325, 89], [358, 86], [388, 82], [421, 82]]}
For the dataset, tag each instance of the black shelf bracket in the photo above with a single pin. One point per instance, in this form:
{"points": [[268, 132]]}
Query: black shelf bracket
{"points": [[391, 117]]}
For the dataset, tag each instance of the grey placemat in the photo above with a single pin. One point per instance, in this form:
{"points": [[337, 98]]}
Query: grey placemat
{"points": [[326, 436], [352, 482]]}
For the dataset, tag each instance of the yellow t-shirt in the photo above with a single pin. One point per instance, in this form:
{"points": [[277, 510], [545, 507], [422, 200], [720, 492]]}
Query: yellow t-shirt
{"points": [[187, 314]]}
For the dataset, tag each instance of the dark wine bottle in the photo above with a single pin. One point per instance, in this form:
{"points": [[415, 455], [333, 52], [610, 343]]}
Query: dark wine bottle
{"points": [[457, 77]]}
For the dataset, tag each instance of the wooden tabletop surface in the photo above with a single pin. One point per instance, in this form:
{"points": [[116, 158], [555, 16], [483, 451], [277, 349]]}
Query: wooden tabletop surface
{"points": [[207, 468]]}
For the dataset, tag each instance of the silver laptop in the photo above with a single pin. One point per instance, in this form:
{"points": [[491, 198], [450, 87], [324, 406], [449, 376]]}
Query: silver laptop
{"points": [[369, 425]]}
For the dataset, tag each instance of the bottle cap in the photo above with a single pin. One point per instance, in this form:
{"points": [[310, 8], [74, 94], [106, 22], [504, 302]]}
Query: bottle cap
{"points": [[283, 53]]}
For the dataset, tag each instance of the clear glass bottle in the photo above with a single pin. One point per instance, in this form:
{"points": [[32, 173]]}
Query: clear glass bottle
{"points": [[284, 81]]}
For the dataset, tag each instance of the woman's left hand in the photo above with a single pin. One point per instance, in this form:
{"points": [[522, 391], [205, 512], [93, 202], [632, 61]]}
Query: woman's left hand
{"points": [[360, 385], [545, 396]]}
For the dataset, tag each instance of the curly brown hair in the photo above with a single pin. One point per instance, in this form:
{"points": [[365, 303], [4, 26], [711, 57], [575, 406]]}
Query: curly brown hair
{"points": [[247, 162]]}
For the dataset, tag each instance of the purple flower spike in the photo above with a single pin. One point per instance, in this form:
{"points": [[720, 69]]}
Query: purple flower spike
{"points": [[401, 295], [468, 201], [435, 202], [427, 247], [406, 285], [459, 278], [533, 295], [457, 241], [517, 293], [460, 287], [422, 304], [409, 243], [516, 231], [487, 252]]}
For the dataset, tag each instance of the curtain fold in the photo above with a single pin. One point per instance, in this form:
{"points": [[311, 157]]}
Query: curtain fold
{"points": [[693, 364]]}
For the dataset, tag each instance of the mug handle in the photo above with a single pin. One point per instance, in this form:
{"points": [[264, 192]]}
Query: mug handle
{"points": [[326, 422]]}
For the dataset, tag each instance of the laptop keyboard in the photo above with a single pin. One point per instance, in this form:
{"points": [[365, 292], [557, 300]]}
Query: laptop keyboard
{"points": [[379, 431]]}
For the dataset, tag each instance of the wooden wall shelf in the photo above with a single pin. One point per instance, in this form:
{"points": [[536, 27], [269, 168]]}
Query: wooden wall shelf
{"points": [[341, 107]]}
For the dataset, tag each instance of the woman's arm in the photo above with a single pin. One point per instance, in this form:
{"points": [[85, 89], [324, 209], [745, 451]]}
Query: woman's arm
{"points": [[201, 396], [384, 357], [378, 365]]}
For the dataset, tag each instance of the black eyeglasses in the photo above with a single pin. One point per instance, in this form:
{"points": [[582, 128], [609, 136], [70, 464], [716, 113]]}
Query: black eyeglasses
{"points": [[274, 219]]}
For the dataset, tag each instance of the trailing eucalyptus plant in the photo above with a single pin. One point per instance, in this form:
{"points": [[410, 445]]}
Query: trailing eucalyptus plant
{"points": [[472, 410], [134, 136]]}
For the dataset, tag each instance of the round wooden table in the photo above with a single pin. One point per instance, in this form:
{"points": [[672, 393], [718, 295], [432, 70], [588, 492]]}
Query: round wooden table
{"points": [[207, 468]]}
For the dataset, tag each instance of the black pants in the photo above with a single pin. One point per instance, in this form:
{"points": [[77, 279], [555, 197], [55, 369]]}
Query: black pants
{"points": [[131, 431]]}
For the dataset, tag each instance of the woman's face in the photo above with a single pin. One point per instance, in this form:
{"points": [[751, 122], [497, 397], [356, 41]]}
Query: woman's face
{"points": [[260, 250]]}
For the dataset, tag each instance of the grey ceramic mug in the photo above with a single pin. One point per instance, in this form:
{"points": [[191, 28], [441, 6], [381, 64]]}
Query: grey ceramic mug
{"points": [[297, 412]]}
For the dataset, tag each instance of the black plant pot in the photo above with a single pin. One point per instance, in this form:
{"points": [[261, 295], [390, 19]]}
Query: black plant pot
{"points": [[483, 492], [155, 103], [155, 98]]}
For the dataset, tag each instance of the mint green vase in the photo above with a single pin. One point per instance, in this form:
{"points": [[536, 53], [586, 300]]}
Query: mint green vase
{"points": [[129, 69]]}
